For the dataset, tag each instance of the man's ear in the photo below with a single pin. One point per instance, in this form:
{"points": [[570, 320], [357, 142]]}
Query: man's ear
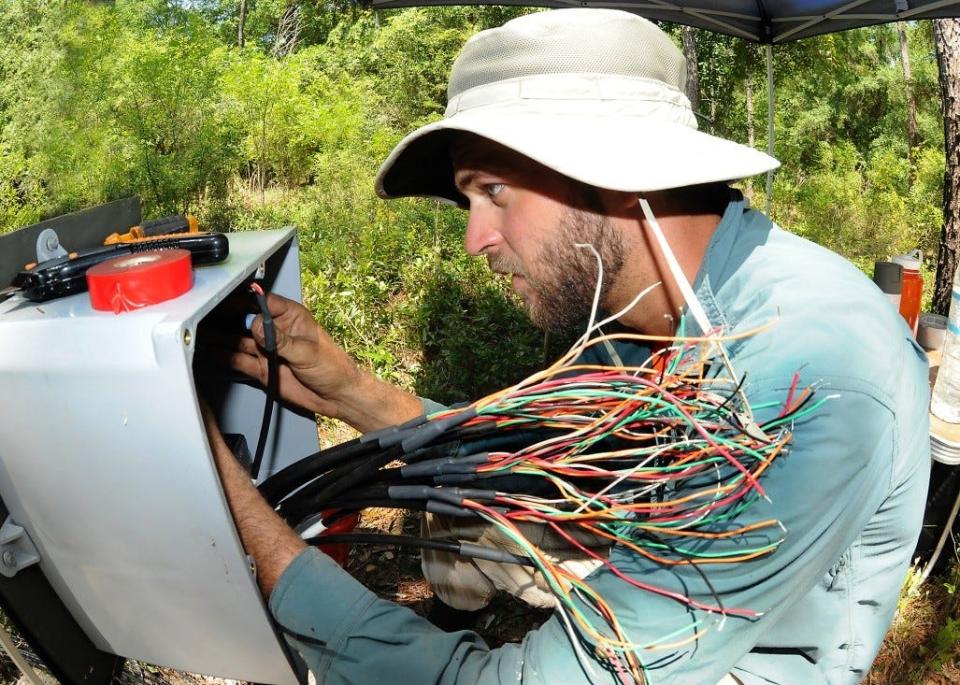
{"points": [[620, 203]]}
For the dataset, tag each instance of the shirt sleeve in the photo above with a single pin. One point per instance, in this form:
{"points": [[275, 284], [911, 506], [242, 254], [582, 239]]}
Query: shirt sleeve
{"points": [[346, 634]]}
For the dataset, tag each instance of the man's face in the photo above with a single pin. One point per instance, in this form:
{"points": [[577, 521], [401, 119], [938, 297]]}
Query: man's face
{"points": [[527, 221]]}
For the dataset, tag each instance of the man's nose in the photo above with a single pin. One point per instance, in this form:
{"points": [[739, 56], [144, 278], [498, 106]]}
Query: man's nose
{"points": [[481, 235]]}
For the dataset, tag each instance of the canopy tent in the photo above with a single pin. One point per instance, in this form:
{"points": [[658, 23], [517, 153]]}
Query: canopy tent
{"points": [[762, 21]]}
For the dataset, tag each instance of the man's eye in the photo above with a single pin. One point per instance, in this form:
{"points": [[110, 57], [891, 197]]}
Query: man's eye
{"points": [[493, 189]]}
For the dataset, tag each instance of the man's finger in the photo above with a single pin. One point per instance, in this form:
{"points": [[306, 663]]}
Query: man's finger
{"points": [[249, 365], [278, 304], [247, 345]]}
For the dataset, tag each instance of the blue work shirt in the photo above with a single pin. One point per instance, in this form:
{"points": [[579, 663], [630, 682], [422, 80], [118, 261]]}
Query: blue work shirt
{"points": [[850, 493]]}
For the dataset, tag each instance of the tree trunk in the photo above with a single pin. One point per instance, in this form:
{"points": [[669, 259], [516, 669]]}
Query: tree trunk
{"points": [[242, 23], [288, 31], [693, 73], [712, 91], [751, 136], [911, 102], [947, 38]]}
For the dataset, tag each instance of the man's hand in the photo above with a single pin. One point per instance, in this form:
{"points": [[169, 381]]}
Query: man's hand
{"points": [[318, 375], [314, 372]]}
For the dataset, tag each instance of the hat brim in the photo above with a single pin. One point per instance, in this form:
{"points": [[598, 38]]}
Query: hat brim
{"points": [[618, 153]]}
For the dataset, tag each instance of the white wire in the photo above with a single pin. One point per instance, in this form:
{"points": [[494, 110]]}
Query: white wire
{"points": [[598, 288], [697, 310], [638, 465], [581, 655], [690, 297], [948, 527], [633, 303]]}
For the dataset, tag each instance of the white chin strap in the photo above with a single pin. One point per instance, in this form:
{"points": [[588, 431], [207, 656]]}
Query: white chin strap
{"points": [[699, 315], [690, 297]]}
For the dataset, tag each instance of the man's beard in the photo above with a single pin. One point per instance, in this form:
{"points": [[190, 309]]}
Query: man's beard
{"points": [[563, 277]]}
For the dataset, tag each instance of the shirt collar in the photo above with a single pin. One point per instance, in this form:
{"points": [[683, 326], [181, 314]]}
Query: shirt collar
{"points": [[717, 266]]}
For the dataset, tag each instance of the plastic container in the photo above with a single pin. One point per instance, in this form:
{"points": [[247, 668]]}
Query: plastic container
{"points": [[945, 401], [932, 332], [911, 294], [889, 278]]}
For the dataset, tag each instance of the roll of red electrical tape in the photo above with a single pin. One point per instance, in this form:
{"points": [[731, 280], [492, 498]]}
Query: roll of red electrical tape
{"points": [[138, 280]]}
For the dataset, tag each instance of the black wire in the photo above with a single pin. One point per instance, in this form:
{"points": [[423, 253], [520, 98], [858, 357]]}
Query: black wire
{"points": [[341, 479], [280, 484], [329, 468], [686, 561], [329, 465], [736, 391], [273, 379], [385, 539], [452, 546]]}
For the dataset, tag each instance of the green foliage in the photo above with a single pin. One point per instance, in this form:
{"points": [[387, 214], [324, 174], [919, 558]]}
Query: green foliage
{"points": [[154, 97]]}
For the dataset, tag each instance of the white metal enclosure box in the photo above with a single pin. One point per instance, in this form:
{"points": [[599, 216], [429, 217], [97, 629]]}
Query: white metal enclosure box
{"points": [[105, 464]]}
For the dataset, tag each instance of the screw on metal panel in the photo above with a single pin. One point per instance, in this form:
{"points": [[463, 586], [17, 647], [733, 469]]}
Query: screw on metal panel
{"points": [[53, 242], [9, 559], [187, 337]]}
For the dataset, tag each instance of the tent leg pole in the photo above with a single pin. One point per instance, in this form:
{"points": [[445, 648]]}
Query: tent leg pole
{"points": [[770, 131]]}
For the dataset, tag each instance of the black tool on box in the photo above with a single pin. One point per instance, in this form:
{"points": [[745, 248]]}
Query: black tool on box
{"points": [[66, 275]]}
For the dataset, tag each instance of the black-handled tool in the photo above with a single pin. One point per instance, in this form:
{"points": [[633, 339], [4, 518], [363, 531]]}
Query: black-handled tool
{"points": [[67, 275]]}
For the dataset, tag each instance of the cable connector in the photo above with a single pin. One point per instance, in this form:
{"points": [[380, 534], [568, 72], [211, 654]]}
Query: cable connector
{"points": [[391, 435], [434, 429], [445, 465]]}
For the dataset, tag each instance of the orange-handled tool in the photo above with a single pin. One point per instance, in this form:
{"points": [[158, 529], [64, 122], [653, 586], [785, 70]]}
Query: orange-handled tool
{"points": [[179, 223]]}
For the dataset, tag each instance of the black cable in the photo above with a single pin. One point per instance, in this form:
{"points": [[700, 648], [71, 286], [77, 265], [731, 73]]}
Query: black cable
{"points": [[302, 471], [464, 549], [347, 456], [343, 478], [273, 377]]}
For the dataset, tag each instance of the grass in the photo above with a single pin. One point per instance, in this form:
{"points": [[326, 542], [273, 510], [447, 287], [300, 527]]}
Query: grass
{"points": [[923, 643]]}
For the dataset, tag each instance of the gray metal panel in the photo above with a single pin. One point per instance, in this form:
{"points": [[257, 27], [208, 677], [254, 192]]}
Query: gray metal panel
{"points": [[77, 231], [105, 463]]}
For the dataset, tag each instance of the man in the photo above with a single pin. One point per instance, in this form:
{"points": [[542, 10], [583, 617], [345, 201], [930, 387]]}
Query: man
{"points": [[570, 127]]}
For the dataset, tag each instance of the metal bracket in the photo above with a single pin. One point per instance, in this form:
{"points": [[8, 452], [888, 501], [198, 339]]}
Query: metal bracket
{"points": [[16, 549], [48, 245]]}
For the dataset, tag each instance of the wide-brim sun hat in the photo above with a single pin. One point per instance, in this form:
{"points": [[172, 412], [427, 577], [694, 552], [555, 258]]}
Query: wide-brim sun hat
{"points": [[596, 95]]}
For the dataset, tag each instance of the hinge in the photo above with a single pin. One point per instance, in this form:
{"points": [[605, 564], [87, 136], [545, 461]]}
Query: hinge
{"points": [[16, 549]]}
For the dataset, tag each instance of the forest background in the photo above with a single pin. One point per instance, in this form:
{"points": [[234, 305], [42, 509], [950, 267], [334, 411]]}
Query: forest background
{"points": [[257, 114], [157, 98]]}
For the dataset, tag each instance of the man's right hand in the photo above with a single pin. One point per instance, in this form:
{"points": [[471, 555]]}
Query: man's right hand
{"points": [[316, 374], [314, 371]]}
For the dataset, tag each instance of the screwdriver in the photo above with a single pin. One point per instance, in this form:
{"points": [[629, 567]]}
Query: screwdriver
{"points": [[178, 223]]}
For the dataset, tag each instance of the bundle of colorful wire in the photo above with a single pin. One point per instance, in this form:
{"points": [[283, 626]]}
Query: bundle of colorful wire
{"points": [[658, 458]]}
